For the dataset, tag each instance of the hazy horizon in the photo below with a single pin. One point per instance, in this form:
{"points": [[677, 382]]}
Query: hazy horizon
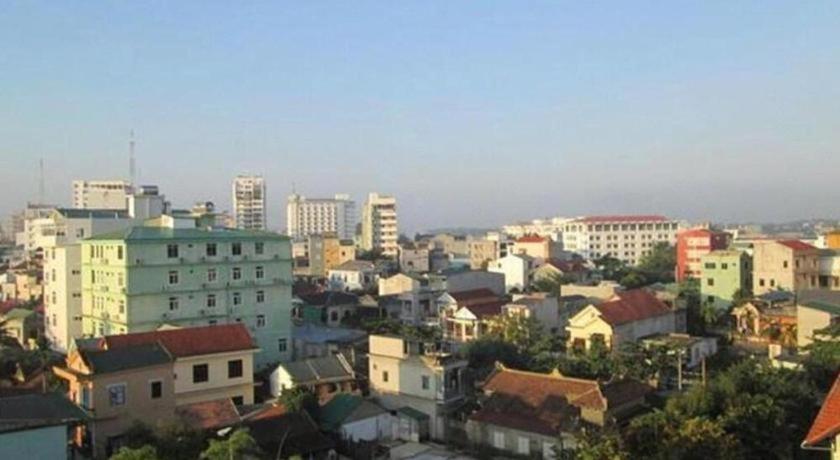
{"points": [[470, 114]]}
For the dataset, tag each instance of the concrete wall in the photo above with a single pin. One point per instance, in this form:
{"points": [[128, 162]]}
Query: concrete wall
{"points": [[219, 385], [809, 320], [47, 443]]}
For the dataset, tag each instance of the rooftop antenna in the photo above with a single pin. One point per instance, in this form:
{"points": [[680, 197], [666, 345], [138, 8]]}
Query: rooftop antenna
{"points": [[41, 181], [132, 168]]}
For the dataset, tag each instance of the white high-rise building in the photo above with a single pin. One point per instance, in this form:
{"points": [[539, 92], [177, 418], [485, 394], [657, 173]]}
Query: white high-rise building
{"points": [[379, 224], [317, 216], [627, 238], [101, 194], [249, 202]]}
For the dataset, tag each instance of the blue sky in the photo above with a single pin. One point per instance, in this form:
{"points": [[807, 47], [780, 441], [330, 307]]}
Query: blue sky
{"points": [[471, 113]]}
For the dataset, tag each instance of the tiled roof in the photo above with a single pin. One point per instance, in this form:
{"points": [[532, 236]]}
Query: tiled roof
{"points": [[121, 359], [827, 423], [189, 341], [37, 410], [327, 368], [356, 265], [565, 266], [531, 239], [474, 296], [328, 298], [620, 218], [209, 415], [797, 245], [632, 305], [483, 310]]}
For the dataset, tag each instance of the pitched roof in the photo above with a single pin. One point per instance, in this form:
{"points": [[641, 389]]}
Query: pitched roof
{"points": [[821, 299], [485, 309], [531, 239], [189, 341], [632, 305], [797, 245], [827, 423], [565, 266], [474, 296], [345, 408], [327, 368], [355, 265], [328, 298], [622, 218], [192, 234], [37, 410], [121, 359], [209, 415]]}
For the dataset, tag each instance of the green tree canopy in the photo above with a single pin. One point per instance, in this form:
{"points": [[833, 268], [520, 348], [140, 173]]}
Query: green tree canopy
{"points": [[239, 445], [145, 452]]}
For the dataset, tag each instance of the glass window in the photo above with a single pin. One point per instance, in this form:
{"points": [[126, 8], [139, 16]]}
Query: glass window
{"points": [[211, 249], [156, 388], [236, 273], [424, 382], [116, 394], [172, 251], [260, 296], [211, 300], [236, 249], [281, 345], [173, 277], [259, 272], [211, 275], [237, 298], [173, 303], [259, 247], [260, 320], [385, 376], [119, 252], [201, 373], [234, 368]]}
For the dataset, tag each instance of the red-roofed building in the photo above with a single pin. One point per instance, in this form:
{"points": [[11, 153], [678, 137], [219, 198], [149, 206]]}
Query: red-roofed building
{"points": [[210, 362], [694, 244], [524, 412], [627, 238], [626, 317], [825, 431], [552, 268], [538, 247], [791, 265], [465, 315]]}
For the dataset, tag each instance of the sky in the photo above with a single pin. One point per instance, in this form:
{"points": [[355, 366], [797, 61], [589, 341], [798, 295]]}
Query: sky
{"points": [[470, 113]]}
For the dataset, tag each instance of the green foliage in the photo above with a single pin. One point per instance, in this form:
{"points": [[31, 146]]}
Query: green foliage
{"points": [[633, 279], [660, 262], [611, 268], [146, 452], [484, 352], [741, 296], [173, 441], [298, 399], [551, 284], [238, 445], [592, 445], [388, 326], [823, 360]]}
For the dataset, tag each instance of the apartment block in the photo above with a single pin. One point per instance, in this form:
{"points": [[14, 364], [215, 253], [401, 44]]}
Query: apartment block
{"points": [[784, 264], [101, 194], [142, 278], [379, 224], [692, 245], [318, 216], [723, 273], [627, 238], [249, 202]]}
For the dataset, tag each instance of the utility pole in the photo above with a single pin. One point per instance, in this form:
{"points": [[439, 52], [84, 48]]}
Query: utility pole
{"points": [[703, 370], [679, 371]]}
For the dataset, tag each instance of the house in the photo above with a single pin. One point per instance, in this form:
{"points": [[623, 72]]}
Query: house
{"points": [[539, 247], [354, 418], [456, 280], [313, 341], [210, 362], [448, 303], [722, 274], [353, 275], [626, 317], [327, 307], [693, 349], [815, 310], [324, 376], [824, 434], [119, 387], [411, 373], [791, 265], [413, 258], [211, 415], [517, 269], [471, 316], [542, 307], [37, 426], [763, 321], [553, 268], [525, 413], [400, 283], [23, 325], [692, 245]]}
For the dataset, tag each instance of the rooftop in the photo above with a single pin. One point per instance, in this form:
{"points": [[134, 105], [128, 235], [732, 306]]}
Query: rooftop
{"points": [[355, 265], [187, 234], [209, 415], [121, 359], [77, 213], [797, 245], [37, 410], [621, 219], [327, 368], [632, 305], [827, 423], [345, 408], [190, 341]]}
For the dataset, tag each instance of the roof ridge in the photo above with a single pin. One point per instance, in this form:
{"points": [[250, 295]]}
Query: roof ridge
{"points": [[555, 374]]}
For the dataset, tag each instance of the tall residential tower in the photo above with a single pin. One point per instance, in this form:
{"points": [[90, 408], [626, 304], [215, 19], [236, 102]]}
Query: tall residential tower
{"points": [[379, 224], [319, 216], [249, 202]]}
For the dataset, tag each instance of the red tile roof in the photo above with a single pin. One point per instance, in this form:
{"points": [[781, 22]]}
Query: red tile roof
{"points": [[827, 423], [632, 305], [474, 296], [189, 341], [531, 239], [611, 219], [209, 415], [483, 310], [797, 245], [566, 266]]}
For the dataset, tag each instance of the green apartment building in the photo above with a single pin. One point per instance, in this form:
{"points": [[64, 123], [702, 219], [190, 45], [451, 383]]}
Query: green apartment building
{"points": [[145, 278], [723, 273]]}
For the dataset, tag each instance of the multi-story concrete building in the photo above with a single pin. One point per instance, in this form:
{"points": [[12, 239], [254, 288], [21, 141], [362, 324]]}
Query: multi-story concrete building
{"points": [[101, 194], [832, 239], [326, 252], [417, 375], [517, 269], [317, 216], [414, 258], [540, 248], [379, 224], [723, 273], [551, 228], [249, 203], [627, 238], [142, 278], [784, 264], [482, 252], [694, 244]]}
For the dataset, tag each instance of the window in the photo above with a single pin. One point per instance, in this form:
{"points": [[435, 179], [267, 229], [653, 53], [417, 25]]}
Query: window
{"points": [[122, 306], [710, 282], [761, 282], [234, 369], [211, 275], [259, 247], [772, 283], [173, 276], [281, 345], [173, 303], [260, 296], [259, 272], [260, 320], [236, 273], [785, 264], [237, 298], [201, 373], [236, 249], [116, 394], [156, 388], [211, 300], [238, 400], [424, 382], [523, 446], [499, 439], [172, 251], [724, 266], [385, 376], [211, 250], [119, 252]]}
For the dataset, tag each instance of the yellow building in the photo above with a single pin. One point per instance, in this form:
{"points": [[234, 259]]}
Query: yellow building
{"points": [[832, 239], [790, 265]]}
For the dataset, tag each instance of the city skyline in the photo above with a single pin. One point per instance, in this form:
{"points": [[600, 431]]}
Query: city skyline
{"points": [[606, 109]]}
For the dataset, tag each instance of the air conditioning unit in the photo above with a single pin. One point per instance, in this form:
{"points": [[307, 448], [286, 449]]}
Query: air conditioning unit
{"points": [[203, 259], [165, 315], [276, 256], [202, 312], [181, 259], [138, 261]]}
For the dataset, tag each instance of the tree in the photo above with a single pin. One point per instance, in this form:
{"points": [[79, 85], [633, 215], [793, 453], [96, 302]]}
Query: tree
{"points": [[146, 452], [552, 283], [823, 359], [633, 279], [611, 268], [741, 296], [659, 263], [238, 445], [592, 445], [298, 399]]}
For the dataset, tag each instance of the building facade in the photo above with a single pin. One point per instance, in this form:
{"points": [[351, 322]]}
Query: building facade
{"points": [[723, 273], [379, 224], [790, 265], [249, 202], [101, 194], [142, 278], [317, 216], [694, 244], [627, 238]]}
